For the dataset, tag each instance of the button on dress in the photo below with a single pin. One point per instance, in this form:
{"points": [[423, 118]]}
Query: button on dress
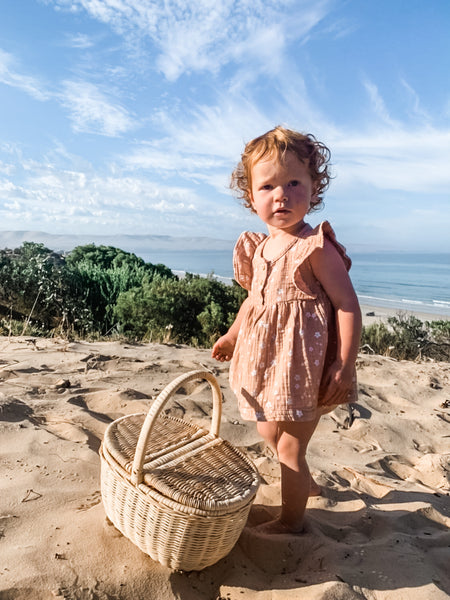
{"points": [[287, 337]]}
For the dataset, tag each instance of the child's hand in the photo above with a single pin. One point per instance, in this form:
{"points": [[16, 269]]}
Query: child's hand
{"points": [[337, 384], [224, 347]]}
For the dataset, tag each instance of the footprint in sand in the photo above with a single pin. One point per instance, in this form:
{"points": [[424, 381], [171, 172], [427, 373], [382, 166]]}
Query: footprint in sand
{"points": [[432, 470], [92, 500], [67, 430], [107, 405], [98, 362], [422, 519], [362, 483], [14, 410]]}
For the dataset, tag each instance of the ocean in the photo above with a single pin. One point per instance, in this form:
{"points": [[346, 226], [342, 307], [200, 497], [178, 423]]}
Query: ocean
{"points": [[401, 281], [417, 282]]}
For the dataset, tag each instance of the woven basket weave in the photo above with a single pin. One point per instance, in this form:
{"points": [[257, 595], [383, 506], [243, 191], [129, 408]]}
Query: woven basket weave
{"points": [[180, 493]]}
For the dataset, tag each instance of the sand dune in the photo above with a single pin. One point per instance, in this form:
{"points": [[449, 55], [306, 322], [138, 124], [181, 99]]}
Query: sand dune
{"points": [[379, 531]]}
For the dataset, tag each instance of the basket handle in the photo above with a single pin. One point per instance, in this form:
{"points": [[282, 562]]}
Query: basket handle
{"points": [[155, 409]]}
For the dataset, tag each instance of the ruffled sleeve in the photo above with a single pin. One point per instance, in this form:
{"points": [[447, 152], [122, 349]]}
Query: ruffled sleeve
{"points": [[243, 257], [315, 238]]}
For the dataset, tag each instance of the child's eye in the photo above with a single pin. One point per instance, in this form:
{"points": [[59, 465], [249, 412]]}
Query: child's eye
{"points": [[267, 186], [294, 183]]}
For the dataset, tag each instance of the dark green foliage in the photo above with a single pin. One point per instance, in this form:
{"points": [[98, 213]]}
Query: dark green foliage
{"points": [[104, 272], [108, 258], [377, 337], [34, 282], [102, 290], [192, 310], [408, 338], [76, 293], [440, 330]]}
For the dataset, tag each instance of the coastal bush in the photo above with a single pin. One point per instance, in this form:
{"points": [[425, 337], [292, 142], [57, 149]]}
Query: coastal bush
{"points": [[69, 294], [111, 258], [194, 310], [378, 338], [10, 327], [104, 272], [34, 284], [410, 336], [103, 290], [405, 337], [440, 330]]}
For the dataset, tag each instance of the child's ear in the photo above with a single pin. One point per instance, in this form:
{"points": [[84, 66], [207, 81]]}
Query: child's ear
{"points": [[250, 199]]}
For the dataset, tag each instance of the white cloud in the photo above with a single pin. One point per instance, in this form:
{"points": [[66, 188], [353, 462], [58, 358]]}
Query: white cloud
{"points": [[9, 76], [77, 201], [378, 104], [92, 112], [408, 159], [80, 41], [201, 35], [340, 28], [6, 168], [7, 187], [201, 146], [417, 110], [147, 157]]}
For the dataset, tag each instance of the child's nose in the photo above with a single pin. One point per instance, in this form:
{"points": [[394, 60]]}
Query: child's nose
{"points": [[280, 194]]}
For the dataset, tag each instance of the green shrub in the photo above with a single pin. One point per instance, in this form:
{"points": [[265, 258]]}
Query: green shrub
{"points": [[378, 337], [34, 283], [103, 290], [408, 338], [193, 310], [439, 330], [104, 272], [14, 327]]}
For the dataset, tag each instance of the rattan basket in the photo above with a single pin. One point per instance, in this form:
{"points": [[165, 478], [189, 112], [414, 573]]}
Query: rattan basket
{"points": [[180, 493]]}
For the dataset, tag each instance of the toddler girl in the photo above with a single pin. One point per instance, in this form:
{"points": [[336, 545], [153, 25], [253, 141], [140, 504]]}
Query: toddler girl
{"points": [[295, 339]]}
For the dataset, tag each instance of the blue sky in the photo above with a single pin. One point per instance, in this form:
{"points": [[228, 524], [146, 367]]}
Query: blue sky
{"points": [[127, 116]]}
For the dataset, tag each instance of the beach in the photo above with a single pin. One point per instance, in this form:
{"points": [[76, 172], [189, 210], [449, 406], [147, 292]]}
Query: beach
{"points": [[380, 314], [380, 529]]}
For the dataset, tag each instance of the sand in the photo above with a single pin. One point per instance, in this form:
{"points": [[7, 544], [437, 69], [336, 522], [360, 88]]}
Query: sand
{"points": [[379, 531], [377, 314]]}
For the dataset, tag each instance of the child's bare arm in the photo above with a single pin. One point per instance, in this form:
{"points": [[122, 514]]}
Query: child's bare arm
{"points": [[223, 349], [330, 270]]}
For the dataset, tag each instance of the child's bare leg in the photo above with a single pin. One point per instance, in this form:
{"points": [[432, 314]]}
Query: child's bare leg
{"points": [[270, 434], [292, 440]]}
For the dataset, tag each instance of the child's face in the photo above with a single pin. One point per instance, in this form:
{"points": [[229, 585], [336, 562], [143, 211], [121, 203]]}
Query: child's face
{"points": [[281, 191]]}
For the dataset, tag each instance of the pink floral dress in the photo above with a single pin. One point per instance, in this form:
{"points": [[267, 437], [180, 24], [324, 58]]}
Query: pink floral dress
{"points": [[287, 338]]}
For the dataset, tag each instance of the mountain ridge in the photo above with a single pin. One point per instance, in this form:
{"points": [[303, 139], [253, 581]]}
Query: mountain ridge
{"points": [[127, 242]]}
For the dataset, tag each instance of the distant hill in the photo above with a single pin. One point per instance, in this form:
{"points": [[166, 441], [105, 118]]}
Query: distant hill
{"points": [[138, 244]]}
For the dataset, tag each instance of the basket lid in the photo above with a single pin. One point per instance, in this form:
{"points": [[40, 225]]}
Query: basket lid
{"points": [[121, 437], [188, 468]]}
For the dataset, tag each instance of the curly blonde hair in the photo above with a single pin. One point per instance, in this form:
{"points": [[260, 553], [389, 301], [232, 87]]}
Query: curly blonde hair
{"points": [[275, 143]]}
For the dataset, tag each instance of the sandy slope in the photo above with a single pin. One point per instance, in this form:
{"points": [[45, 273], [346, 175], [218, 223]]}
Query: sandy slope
{"points": [[380, 530]]}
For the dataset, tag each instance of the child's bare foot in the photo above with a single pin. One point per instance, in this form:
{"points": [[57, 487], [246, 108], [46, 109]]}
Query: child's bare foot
{"points": [[277, 527], [314, 488]]}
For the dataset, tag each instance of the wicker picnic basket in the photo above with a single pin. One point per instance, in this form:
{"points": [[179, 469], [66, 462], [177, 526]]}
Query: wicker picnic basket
{"points": [[180, 493]]}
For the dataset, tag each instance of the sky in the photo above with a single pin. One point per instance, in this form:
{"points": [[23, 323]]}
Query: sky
{"points": [[128, 116]]}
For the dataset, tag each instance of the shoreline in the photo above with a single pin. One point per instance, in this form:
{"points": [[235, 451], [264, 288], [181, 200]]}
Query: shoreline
{"points": [[376, 314]]}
